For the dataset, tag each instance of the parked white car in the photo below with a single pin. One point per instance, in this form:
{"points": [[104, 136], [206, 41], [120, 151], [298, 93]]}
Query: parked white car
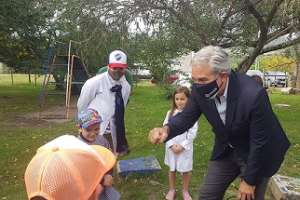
{"points": [[276, 78], [142, 73], [184, 79]]}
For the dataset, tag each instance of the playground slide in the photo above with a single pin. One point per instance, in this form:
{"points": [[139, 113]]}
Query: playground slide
{"points": [[80, 75]]}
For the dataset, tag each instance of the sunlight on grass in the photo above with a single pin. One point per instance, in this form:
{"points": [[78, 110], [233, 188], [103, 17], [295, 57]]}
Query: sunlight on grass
{"points": [[6, 79]]}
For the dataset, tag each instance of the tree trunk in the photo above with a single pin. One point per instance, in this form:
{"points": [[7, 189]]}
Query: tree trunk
{"points": [[244, 65], [29, 76], [297, 56], [35, 78], [297, 75], [263, 36], [12, 77], [248, 61]]}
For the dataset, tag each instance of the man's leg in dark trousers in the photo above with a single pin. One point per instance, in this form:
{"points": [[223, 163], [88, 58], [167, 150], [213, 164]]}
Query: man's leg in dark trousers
{"points": [[219, 175]]}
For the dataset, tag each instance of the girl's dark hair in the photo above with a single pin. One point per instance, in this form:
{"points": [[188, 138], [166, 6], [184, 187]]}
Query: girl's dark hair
{"points": [[179, 89]]}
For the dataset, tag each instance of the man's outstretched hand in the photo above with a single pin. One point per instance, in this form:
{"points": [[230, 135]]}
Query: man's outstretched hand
{"points": [[158, 135], [246, 191]]}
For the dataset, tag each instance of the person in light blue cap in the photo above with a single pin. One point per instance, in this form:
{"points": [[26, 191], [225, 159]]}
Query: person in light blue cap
{"points": [[89, 127]]}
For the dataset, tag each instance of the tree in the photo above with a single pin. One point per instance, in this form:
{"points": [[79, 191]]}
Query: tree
{"points": [[24, 32], [155, 53], [169, 28], [297, 68], [98, 25], [249, 28], [277, 63]]}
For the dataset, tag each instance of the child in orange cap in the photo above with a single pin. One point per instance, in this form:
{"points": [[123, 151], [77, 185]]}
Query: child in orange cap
{"points": [[67, 168], [89, 123]]}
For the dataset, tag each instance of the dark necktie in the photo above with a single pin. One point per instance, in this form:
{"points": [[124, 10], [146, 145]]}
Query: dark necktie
{"points": [[218, 99], [122, 144]]}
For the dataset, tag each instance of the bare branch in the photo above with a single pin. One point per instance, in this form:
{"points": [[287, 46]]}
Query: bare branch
{"points": [[280, 32], [227, 16], [244, 8], [235, 44], [225, 19], [281, 46], [245, 64], [273, 11], [182, 20], [261, 23]]}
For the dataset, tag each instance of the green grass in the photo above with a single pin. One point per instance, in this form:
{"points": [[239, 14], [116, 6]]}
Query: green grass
{"points": [[17, 79], [147, 109]]}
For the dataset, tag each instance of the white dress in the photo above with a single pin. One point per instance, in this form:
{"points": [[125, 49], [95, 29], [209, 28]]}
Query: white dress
{"points": [[182, 162], [96, 94]]}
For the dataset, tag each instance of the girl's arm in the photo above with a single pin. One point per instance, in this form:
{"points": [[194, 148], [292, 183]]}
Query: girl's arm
{"points": [[166, 118], [190, 136]]}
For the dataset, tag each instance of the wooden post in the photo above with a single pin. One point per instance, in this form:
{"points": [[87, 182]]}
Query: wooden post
{"points": [[286, 79], [297, 55], [298, 74], [29, 76], [35, 78], [12, 77], [70, 87], [68, 74]]}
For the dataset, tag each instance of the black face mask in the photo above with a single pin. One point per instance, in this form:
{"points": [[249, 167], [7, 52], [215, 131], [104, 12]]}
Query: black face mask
{"points": [[208, 91]]}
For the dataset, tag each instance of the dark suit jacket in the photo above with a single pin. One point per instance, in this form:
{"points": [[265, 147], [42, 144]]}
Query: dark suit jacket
{"points": [[251, 127]]}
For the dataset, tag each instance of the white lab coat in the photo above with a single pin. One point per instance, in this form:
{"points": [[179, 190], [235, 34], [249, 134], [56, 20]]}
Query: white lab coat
{"points": [[182, 162], [96, 94]]}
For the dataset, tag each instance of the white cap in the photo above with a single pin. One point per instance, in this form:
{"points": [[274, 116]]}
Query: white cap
{"points": [[117, 58]]}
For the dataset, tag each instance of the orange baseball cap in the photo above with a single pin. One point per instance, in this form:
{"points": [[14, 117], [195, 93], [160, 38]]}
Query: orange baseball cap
{"points": [[67, 168]]}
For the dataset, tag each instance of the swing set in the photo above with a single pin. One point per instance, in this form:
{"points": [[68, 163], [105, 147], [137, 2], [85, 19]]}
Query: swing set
{"points": [[65, 70]]}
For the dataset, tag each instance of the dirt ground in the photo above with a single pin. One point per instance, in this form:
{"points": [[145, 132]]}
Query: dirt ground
{"points": [[53, 114]]}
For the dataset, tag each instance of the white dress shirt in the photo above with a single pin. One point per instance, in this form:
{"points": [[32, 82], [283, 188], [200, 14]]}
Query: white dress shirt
{"points": [[221, 103]]}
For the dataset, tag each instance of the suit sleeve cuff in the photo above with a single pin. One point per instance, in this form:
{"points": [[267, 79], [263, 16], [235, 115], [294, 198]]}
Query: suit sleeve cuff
{"points": [[250, 180]]}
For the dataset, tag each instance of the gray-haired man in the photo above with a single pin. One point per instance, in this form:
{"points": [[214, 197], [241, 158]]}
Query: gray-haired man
{"points": [[249, 141]]}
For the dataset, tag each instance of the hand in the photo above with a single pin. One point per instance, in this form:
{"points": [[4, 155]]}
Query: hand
{"points": [[107, 180], [95, 196], [177, 148], [246, 191], [158, 135]]}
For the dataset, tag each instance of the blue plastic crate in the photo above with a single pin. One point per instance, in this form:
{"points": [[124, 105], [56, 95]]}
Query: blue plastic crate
{"points": [[142, 165]]}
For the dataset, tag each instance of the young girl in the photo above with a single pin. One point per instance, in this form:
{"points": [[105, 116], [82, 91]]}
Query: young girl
{"points": [[179, 150]]}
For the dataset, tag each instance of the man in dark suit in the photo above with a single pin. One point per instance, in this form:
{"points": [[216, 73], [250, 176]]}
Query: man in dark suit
{"points": [[249, 140]]}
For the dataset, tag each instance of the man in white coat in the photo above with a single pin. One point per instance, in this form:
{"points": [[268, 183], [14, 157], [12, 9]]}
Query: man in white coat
{"points": [[108, 93]]}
